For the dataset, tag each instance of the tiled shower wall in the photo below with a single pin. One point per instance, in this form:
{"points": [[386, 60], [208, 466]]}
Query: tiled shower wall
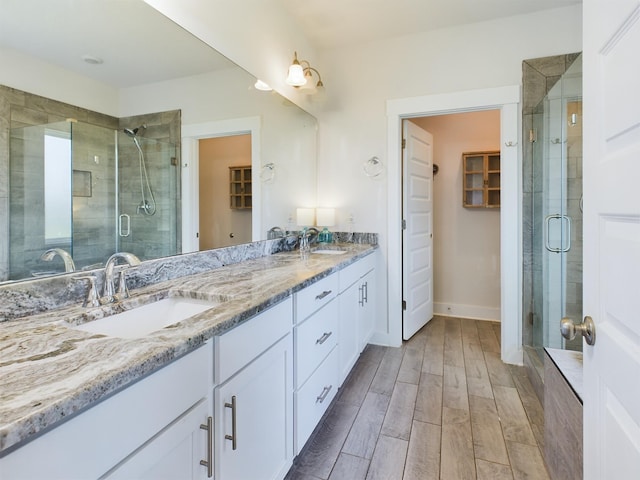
{"points": [[158, 235], [94, 155]]}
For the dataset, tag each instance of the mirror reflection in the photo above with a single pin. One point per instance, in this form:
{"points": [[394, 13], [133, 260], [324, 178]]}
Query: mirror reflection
{"points": [[93, 154], [80, 192]]}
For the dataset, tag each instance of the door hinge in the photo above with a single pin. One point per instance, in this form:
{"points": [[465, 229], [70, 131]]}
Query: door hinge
{"points": [[404, 304], [404, 224], [404, 143]]}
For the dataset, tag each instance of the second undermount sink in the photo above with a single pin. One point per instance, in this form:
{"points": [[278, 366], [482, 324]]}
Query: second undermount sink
{"points": [[140, 321]]}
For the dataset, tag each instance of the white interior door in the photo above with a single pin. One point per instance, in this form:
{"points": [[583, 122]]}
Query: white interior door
{"points": [[417, 238], [612, 238]]}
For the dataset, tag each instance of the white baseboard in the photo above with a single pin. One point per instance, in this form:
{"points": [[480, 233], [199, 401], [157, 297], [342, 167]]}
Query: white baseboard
{"points": [[466, 311]]}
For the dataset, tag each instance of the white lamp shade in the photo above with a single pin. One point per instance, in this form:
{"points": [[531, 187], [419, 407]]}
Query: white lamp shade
{"points": [[305, 217], [326, 217], [296, 75]]}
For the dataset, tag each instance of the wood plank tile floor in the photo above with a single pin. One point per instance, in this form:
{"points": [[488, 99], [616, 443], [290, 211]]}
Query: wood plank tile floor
{"points": [[442, 406]]}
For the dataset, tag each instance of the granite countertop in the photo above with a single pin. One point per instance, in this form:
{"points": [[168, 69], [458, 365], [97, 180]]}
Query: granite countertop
{"points": [[49, 371]]}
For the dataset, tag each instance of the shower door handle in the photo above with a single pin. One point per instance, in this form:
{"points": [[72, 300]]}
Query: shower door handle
{"points": [[122, 231], [547, 242]]}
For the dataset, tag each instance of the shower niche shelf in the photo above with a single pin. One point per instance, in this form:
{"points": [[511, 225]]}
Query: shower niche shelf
{"points": [[481, 179], [240, 187]]}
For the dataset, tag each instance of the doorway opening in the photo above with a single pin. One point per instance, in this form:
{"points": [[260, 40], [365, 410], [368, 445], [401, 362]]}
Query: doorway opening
{"points": [[225, 185], [191, 137], [506, 100], [466, 240]]}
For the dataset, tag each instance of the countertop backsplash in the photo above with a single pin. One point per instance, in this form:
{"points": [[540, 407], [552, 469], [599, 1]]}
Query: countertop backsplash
{"points": [[24, 298]]}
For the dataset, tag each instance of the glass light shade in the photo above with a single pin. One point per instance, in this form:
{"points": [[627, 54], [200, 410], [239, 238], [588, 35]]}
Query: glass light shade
{"points": [[305, 217], [325, 217], [296, 75]]}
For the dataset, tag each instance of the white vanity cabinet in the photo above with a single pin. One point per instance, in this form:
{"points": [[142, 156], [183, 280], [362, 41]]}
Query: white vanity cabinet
{"points": [[183, 450], [316, 354], [357, 294], [133, 422], [253, 407]]}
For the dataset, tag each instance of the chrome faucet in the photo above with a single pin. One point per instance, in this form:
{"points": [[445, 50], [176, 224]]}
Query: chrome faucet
{"points": [[307, 236], [109, 293], [49, 255]]}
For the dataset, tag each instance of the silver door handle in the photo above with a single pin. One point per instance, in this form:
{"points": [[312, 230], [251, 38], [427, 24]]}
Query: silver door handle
{"points": [[320, 296], [323, 396], [234, 434], [547, 241], [587, 328], [209, 461], [323, 338], [121, 228]]}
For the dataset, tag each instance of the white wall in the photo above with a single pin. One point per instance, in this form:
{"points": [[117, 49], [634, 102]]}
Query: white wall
{"points": [[353, 125], [466, 242], [360, 78], [40, 78]]}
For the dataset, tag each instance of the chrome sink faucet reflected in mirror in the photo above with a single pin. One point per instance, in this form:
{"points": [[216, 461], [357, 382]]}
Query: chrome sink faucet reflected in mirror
{"points": [[109, 293], [50, 254]]}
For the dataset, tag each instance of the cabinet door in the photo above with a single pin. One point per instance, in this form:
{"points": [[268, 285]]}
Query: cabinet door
{"points": [[348, 341], [367, 309], [254, 418], [176, 452]]}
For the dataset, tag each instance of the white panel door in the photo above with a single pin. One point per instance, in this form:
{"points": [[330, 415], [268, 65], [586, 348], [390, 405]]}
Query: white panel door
{"points": [[612, 238], [417, 237]]}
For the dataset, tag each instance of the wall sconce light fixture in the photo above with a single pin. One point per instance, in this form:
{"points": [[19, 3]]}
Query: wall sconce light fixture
{"points": [[300, 75]]}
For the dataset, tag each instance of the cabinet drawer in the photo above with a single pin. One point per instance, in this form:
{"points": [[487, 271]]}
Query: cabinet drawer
{"points": [[312, 400], [351, 274], [310, 299], [238, 347], [315, 338]]}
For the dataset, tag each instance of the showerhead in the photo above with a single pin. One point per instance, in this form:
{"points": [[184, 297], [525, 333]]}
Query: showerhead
{"points": [[132, 132]]}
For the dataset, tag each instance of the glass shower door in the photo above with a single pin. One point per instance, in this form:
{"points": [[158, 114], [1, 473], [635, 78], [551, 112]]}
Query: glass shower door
{"points": [[558, 211], [40, 208]]}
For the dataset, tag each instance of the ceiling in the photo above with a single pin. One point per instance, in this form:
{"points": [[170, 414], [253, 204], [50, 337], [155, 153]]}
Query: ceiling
{"points": [[140, 46], [334, 23]]}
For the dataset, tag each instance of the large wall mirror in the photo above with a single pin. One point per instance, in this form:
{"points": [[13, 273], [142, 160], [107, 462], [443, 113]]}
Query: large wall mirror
{"points": [[147, 139]]}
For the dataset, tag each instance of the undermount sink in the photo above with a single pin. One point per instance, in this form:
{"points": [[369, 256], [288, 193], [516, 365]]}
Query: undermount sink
{"points": [[328, 251], [140, 321]]}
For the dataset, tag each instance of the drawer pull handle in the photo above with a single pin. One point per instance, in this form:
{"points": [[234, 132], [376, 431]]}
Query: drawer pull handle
{"points": [[233, 436], [209, 461], [323, 294], [323, 338], [325, 391]]}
